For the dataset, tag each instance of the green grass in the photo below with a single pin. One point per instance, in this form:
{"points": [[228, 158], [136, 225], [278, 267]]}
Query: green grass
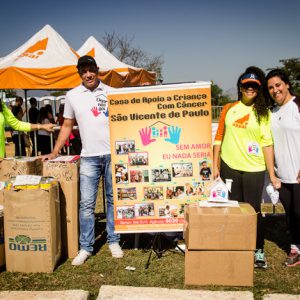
{"points": [[167, 272]]}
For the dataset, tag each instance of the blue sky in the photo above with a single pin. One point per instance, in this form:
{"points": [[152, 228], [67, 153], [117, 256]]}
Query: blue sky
{"points": [[199, 40]]}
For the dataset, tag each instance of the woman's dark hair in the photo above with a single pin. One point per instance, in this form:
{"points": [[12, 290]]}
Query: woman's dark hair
{"points": [[284, 77], [260, 105], [43, 114], [49, 108], [16, 110]]}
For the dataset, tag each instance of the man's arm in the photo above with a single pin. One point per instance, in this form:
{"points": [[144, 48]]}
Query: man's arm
{"points": [[64, 134]]}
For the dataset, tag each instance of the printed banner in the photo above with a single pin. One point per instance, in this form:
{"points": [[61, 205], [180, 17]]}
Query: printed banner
{"points": [[161, 154]]}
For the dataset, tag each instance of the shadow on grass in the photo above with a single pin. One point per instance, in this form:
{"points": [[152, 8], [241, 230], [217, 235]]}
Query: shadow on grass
{"points": [[277, 231], [130, 241]]}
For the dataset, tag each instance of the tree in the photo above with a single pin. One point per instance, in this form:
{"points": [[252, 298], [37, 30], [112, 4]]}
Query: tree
{"points": [[292, 67], [217, 97], [10, 93], [58, 93], [122, 47]]}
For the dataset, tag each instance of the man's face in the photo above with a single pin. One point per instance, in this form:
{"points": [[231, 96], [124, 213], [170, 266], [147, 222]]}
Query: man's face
{"points": [[89, 76]]}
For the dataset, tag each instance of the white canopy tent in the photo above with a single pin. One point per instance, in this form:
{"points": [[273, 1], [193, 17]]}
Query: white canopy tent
{"points": [[45, 61], [105, 60], [113, 70]]}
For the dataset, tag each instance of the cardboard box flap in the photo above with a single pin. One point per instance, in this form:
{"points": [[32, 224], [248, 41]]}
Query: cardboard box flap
{"points": [[196, 211]]}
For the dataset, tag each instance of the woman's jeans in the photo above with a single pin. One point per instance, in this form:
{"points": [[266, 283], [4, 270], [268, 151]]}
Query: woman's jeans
{"points": [[91, 169]]}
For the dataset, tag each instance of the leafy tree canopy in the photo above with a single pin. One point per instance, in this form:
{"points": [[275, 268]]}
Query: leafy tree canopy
{"points": [[122, 47], [292, 67], [217, 97]]}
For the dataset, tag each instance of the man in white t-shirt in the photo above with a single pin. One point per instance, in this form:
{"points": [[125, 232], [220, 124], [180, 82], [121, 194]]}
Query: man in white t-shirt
{"points": [[87, 103]]}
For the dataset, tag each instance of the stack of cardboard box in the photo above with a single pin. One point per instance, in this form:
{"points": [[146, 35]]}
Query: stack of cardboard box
{"points": [[66, 171], [220, 245]]}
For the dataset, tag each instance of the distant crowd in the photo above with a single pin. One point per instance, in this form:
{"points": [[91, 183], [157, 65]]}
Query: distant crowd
{"points": [[44, 141]]}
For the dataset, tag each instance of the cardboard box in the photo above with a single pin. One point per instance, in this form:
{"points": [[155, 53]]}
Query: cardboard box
{"points": [[227, 268], [2, 184], [66, 170], [13, 166], [2, 252], [220, 228], [32, 229]]}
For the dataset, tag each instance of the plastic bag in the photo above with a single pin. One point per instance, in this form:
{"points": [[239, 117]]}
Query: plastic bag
{"points": [[273, 193]]}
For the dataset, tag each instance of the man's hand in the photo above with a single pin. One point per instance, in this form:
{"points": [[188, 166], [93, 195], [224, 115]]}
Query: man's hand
{"points": [[49, 156]]}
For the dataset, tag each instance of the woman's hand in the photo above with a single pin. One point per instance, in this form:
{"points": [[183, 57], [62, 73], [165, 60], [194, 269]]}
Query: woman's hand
{"points": [[48, 127], [216, 173], [275, 182]]}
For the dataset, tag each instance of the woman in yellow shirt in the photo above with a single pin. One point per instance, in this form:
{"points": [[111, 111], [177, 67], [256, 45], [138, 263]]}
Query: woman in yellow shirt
{"points": [[244, 146]]}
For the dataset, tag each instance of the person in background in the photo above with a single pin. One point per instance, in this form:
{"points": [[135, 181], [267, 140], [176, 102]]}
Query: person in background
{"points": [[33, 114], [17, 137], [50, 116], [74, 141], [44, 137], [285, 126], [7, 117], [87, 103], [244, 147]]}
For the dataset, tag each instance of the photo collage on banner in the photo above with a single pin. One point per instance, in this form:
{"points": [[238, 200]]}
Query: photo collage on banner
{"points": [[161, 154]]}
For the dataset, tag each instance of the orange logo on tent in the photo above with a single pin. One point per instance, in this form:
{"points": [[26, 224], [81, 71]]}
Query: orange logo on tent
{"points": [[36, 50], [242, 122], [91, 52]]}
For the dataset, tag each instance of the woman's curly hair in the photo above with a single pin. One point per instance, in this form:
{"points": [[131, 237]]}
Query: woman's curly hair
{"points": [[261, 105]]}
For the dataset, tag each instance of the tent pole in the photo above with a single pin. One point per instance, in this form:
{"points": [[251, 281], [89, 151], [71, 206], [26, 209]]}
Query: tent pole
{"points": [[25, 96]]}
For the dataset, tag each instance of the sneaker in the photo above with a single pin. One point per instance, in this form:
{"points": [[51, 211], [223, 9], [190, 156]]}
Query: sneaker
{"points": [[81, 257], [260, 260], [116, 250], [293, 258]]}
